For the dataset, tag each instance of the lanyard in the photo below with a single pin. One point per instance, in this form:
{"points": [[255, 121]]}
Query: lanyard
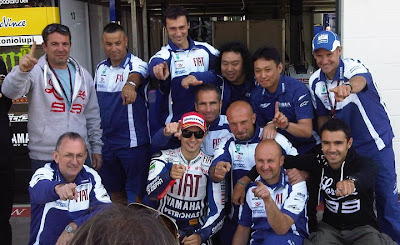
{"points": [[61, 86], [333, 107]]}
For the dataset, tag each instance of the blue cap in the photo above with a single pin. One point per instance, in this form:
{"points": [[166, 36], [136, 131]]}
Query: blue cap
{"points": [[327, 40]]}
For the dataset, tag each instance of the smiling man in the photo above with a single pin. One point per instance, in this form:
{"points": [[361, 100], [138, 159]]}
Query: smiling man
{"points": [[344, 89], [64, 193], [274, 211], [235, 66], [347, 182], [234, 157], [208, 103], [120, 83], [282, 104], [179, 182], [181, 65], [61, 97]]}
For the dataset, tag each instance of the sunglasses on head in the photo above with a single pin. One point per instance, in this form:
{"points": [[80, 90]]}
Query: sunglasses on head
{"points": [[198, 134], [56, 28], [168, 221]]}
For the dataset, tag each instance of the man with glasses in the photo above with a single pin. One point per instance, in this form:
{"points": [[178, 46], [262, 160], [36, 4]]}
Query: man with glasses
{"points": [[208, 103], [64, 193], [61, 97], [178, 180], [120, 84]]}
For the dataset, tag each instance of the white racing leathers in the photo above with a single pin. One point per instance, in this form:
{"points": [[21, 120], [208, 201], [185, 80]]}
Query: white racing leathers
{"points": [[194, 201]]}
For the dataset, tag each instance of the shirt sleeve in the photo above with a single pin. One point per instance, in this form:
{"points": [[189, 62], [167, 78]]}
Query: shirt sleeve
{"points": [[222, 153], [296, 202], [302, 103], [41, 186], [245, 213], [160, 57], [140, 67], [216, 214], [159, 179], [92, 114]]}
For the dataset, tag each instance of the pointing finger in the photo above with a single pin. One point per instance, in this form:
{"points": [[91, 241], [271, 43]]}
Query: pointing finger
{"points": [[33, 49], [276, 109]]}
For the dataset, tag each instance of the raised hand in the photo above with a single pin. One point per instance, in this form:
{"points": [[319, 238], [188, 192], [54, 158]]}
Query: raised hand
{"points": [[173, 128], [190, 81], [280, 120], [28, 61], [261, 191]]}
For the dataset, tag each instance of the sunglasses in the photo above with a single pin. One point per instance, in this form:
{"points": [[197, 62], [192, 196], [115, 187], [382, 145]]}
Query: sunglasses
{"points": [[168, 221], [197, 134], [56, 28]]}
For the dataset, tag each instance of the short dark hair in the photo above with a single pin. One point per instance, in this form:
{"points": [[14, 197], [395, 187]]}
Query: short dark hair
{"points": [[268, 53], [333, 125], [173, 12], [69, 135], [54, 27], [113, 27], [241, 48], [207, 87]]}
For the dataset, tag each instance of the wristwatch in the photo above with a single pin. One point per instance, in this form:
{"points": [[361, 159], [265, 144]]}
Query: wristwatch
{"points": [[70, 229]]}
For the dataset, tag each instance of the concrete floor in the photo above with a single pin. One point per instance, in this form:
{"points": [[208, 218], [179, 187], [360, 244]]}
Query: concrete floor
{"points": [[20, 221]]}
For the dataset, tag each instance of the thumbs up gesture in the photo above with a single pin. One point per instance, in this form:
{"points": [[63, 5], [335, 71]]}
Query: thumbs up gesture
{"points": [[261, 191], [28, 61]]}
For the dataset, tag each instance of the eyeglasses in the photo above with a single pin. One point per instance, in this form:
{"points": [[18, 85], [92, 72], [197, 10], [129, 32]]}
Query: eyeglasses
{"points": [[197, 134], [56, 28], [70, 157], [168, 221]]}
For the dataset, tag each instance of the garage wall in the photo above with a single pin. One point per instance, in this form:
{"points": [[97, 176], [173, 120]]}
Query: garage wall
{"points": [[371, 34]]}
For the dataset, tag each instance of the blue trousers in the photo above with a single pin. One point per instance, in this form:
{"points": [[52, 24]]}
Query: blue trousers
{"points": [[386, 193], [126, 169]]}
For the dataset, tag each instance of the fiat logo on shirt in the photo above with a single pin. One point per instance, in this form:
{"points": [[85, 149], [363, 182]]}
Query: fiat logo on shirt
{"points": [[257, 204]]}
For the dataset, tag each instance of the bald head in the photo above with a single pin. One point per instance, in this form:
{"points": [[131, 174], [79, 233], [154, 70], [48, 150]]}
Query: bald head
{"points": [[241, 119], [271, 144], [269, 160], [239, 105]]}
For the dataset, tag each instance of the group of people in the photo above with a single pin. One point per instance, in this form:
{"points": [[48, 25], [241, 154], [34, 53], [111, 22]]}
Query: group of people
{"points": [[239, 158]]}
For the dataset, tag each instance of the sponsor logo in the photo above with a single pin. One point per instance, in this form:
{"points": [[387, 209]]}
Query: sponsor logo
{"points": [[264, 105], [18, 118], [4, 2], [21, 212], [304, 103], [323, 38], [154, 184], [198, 61], [19, 139], [7, 22], [284, 104], [301, 97]]}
